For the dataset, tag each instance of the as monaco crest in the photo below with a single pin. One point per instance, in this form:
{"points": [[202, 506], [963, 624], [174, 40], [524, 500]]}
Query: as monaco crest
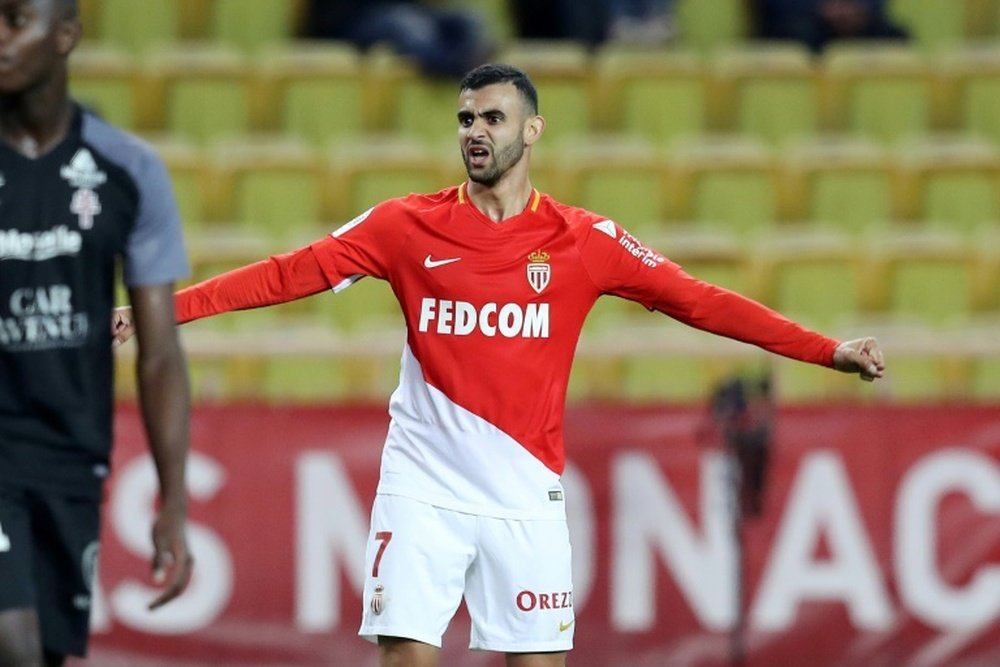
{"points": [[378, 600], [539, 271]]}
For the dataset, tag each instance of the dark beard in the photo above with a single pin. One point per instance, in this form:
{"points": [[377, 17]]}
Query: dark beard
{"points": [[502, 162]]}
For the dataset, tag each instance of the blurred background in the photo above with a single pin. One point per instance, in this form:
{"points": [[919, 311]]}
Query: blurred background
{"points": [[835, 159]]}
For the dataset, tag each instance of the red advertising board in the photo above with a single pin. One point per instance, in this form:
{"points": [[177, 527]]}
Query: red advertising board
{"points": [[877, 541]]}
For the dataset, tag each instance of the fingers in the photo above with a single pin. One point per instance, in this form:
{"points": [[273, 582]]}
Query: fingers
{"points": [[172, 569], [862, 356], [121, 326]]}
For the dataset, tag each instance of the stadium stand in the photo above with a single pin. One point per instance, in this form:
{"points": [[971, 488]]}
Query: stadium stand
{"points": [[856, 190]]}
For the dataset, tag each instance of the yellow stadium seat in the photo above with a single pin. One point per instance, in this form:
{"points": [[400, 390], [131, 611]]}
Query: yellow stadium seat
{"points": [[846, 182], [723, 182], [561, 72], [315, 91], [205, 94], [657, 95], [274, 186], [882, 91], [107, 81], [952, 182], [713, 255], [933, 25], [769, 91]]}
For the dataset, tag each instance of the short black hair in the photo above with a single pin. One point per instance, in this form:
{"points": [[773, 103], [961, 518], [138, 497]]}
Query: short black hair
{"points": [[491, 73]]}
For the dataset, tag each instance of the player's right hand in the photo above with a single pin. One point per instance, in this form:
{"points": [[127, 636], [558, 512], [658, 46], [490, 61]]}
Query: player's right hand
{"points": [[122, 325]]}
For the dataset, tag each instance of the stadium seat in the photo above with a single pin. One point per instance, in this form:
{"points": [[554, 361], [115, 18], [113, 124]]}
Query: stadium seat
{"points": [[723, 182], [769, 91], [107, 81], [366, 308], [713, 255], [316, 91], [622, 180], [953, 182], [192, 180], [969, 90], [986, 279], [205, 94], [138, 27], [882, 91], [659, 96], [377, 168], [918, 273], [254, 24], [711, 24], [562, 74], [933, 25], [273, 186], [846, 182], [811, 274]]}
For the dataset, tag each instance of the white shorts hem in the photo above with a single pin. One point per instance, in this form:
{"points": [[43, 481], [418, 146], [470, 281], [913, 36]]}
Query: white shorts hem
{"points": [[372, 635], [511, 647]]}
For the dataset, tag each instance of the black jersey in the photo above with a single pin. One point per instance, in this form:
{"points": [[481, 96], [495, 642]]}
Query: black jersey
{"points": [[66, 221]]}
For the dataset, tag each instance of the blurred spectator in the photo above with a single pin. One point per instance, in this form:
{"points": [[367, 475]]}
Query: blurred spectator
{"points": [[594, 21], [444, 42], [649, 22], [819, 22]]}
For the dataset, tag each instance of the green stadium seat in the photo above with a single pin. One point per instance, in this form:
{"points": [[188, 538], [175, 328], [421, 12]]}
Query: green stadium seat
{"points": [[933, 25], [810, 274], [969, 90], [561, 71], [713, 255], [138, 27], [919, 273], [952, 182], [252, 25], [317, 92], [107, 81], [845, 182], [708, 25], [274, 186], [882, 91], [377, 168], [723, 182], [769, 91], [659, 96], [622, 180], [205, 94], [191, 177]]}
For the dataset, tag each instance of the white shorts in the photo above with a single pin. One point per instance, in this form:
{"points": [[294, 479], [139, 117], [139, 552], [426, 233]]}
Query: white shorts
{"points": [[515, 576]]}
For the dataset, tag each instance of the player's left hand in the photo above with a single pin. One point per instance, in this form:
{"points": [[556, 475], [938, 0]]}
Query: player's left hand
{"points": [[172, 562], [862, 356]]}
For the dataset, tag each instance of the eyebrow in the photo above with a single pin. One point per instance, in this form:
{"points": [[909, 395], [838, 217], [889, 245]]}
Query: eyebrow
{"points": [[487, 112]]}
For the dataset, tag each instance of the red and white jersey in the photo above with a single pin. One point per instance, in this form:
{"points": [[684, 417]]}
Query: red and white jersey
{"points": [[493, 312]]}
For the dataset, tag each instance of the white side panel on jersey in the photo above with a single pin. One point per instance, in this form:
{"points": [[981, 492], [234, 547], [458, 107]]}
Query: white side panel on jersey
{"points": [[439, 452]]}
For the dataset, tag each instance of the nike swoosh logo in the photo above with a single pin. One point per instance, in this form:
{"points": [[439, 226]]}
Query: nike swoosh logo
{"points": [[434, 263], [563, 627]]}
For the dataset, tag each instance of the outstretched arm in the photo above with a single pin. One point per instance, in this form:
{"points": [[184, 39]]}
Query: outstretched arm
{"points": [[166, 406], [274, 280]]}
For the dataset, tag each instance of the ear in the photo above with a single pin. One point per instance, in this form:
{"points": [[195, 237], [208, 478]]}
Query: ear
{"points": [[67, 35], [533, 130]]}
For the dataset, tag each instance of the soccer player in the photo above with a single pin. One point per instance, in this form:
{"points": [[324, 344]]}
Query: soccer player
{"points": [[494, 279], [75, 196]]}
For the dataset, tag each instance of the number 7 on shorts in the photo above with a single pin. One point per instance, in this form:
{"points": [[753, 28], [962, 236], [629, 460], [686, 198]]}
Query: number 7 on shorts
{"points": [[383, 536]]}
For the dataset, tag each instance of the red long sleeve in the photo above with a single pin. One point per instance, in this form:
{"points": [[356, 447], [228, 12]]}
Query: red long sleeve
{"points": [[277, 279]]}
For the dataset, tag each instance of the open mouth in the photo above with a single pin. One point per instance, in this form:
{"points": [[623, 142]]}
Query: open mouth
{"points": [[478, 155]]}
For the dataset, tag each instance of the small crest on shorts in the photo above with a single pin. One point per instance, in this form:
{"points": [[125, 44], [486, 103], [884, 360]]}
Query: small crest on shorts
{"points": [[378, 599], [555, 495], [539, 271]]}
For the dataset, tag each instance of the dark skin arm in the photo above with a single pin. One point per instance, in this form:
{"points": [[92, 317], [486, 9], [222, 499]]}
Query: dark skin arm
{"points": [[165, 401]]}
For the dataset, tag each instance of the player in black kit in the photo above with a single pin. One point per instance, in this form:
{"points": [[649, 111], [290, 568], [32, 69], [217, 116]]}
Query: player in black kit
{"points": [[77, 196]]}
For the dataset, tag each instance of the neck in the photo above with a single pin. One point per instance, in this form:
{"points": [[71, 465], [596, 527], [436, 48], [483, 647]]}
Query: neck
{"points": [[505, 198], [35, 120]]}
